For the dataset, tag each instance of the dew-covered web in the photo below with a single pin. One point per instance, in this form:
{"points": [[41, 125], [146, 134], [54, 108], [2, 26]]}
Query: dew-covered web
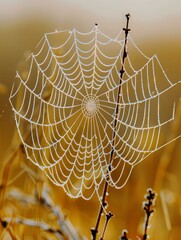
{"points": [[65, 106]]}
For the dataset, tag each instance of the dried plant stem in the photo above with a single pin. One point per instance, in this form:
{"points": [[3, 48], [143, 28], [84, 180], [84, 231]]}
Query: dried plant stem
{"points": [[5, 175], [65, 229], [148, 208], [124, 235], [8, 164], [108, 217], [168, 153], [32, 223], [94, 231]]}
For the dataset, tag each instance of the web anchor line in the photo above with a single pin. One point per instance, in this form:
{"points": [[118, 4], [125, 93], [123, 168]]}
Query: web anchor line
{"points": [[94, 231]]}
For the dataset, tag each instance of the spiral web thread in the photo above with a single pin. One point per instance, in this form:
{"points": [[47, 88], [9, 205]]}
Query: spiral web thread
{"points": [[66, 109]]}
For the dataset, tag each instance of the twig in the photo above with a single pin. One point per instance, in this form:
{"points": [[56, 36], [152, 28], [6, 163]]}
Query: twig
{"points": [[124, 235], [148, 208], [108, 217], [94, 231]]}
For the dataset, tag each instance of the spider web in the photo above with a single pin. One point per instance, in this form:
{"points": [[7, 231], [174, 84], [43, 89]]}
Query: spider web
{"points": [[66, 109]]}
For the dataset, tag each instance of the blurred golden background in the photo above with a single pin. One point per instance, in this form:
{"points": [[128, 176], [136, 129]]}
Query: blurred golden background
{"points": [[155, 27]]}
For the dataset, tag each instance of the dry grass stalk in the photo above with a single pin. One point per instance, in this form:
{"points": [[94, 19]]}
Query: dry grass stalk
{"points": [[16, 198]]}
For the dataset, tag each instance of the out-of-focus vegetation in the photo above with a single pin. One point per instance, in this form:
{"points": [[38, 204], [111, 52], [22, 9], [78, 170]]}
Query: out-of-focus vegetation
{"points": [[28, 208], [25, 193]]}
